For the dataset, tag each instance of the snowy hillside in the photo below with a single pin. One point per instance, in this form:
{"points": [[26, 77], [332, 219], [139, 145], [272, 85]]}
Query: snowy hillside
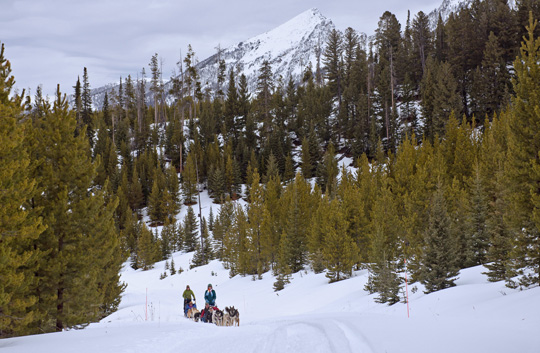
{"points": [[309, 315]]}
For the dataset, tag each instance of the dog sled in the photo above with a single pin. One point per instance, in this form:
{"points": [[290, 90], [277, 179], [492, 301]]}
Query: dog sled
{"points": [[228, 317], [191, 311]]}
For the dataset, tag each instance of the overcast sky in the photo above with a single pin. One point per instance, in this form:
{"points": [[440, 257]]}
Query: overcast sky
{"points": [[49, 42]]}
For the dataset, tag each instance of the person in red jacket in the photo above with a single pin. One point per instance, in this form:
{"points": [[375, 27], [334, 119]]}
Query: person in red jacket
{"points": [[206, 313]]}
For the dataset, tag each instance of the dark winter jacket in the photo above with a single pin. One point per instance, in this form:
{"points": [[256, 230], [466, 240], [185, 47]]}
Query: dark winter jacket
{"points": [[210, 297]]}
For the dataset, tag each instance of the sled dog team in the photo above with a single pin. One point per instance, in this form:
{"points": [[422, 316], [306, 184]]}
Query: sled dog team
{"points": [[210, 313]]}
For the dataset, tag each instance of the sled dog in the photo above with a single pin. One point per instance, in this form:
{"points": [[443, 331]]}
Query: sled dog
{"points": [[226, 319], [217, 317], [234, 316], [193, 314]]}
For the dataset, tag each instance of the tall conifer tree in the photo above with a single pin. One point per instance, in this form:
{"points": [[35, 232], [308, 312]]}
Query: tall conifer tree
{"points": [[439, 260], [523, 160], [19, 224], [191, 226], [79, 218], [86, 113]]}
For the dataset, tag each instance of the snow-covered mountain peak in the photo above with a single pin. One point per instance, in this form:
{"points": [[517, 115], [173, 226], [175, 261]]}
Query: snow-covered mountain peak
{"points": [[289, 48], [296, 28]]}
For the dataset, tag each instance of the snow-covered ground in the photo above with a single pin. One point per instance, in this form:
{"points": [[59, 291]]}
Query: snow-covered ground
{"points": [[309, 315]]}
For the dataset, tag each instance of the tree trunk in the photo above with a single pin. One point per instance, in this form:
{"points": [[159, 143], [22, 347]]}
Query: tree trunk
{"points": [[60, 307]]}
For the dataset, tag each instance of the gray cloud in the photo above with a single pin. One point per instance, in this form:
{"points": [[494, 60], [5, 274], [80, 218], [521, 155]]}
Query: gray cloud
{"points": [[49, 42]]}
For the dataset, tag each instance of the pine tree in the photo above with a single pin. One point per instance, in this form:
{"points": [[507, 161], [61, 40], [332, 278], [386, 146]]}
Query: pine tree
{"points": [[459, 149], [296, 208], [222, 226], [19, 225], [81, 239], [78, 103], [273, 215], [107, 120], [439, 260], [211, 220], [491, 83], [236, 251], [290, 255], [500, 242], [86, 113], [388, 39], [340, 251], [172, 267], [232, 109], [190, 228], [243, 101], [307, 167], [191, 76], [492, 159], [353, 208], [136, 195], [315, 235], [462, 223], [229, 176], [439, 98], [147, 250], [272, 169], [203, 253], [265, 88], [327, 171], [440, 43], [524, 9], [129, 233], [123, 199], [172, 204], [289, 173], [166, 237], [334, 65], [155, 85], [174, 140], [385, 236], [412, 184], [282, 270], [366, 183], [523, 160], [255, 214], [189, 180], [478, 218], [105, 246], [156, 199], [422, 39]]}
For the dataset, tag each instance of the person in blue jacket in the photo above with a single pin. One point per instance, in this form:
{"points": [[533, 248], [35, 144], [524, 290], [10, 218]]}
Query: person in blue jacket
{"points": [[210, 296]]}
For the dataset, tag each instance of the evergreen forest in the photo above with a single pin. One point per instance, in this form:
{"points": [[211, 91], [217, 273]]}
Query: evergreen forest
{"points": [[441, 123]]}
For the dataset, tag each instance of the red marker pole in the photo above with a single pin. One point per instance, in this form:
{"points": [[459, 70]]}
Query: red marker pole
{"points": [[146, 307], [406, 287]]}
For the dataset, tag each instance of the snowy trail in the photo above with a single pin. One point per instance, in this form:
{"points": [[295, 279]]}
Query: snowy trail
{"points": [[309, 315], [307, 334]]}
